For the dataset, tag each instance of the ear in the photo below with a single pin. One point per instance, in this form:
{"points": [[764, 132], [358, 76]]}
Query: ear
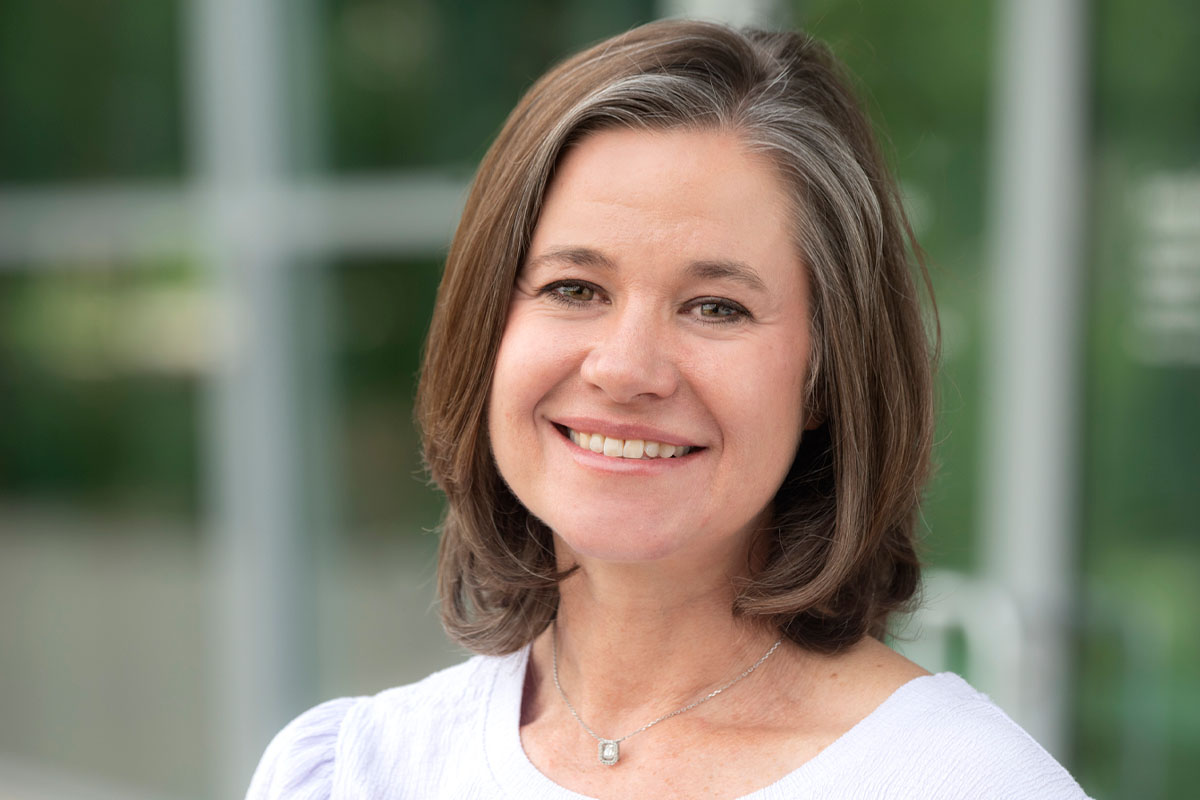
{"points": [[815, 420]]}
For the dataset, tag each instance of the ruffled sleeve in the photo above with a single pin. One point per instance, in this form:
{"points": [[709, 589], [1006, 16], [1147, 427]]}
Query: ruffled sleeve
{"points": [[299, 762]]}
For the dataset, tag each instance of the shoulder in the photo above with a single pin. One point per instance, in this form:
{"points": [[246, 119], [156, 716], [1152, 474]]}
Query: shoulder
{"points": [[418, 716], [370, 742], [939, 733], [300, 759]]}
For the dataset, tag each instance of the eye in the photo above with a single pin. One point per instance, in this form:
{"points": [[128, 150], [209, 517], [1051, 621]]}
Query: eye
{"points": [[718, 311], [569, 292]]}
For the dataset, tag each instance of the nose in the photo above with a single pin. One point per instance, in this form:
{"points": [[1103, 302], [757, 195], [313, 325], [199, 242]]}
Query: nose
{"points": [[631, 358]]}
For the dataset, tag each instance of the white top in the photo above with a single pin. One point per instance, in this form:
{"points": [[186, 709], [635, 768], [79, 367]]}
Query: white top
{"points": [[456, 735]]}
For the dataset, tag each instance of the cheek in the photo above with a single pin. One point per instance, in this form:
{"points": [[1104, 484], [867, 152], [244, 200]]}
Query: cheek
{"points": [[530, 361], [506, 386], [768, 381], [763, 404], [504, 411], [500, 394]]}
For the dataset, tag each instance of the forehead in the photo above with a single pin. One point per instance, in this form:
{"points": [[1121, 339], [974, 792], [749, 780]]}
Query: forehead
{"points": [[696, 189]]}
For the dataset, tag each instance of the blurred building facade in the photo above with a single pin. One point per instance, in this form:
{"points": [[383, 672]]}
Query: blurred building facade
{"points": [[221, 224]]}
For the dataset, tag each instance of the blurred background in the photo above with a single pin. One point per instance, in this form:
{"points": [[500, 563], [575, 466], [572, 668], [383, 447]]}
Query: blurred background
{"points": [[221, 229]]}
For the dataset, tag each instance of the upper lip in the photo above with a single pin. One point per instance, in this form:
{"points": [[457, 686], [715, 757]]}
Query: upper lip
{"points": [[622, 430]]}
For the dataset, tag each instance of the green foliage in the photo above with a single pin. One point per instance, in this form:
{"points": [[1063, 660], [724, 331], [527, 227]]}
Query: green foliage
{"points": [[93, 410], [102, 396], [1147, 93], [382, 309], [90, 90], [421, 83], [924, 70]]}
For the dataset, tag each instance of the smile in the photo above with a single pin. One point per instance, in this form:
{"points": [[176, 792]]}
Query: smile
{"points": [[625, 448]]}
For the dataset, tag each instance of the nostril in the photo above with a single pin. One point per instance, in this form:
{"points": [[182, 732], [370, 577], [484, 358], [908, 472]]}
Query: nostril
{"points": [[630, 365]]}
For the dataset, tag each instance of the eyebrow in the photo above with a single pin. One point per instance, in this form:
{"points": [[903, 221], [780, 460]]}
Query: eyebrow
{"points": [[735, 271], [707, 269], [579, 256]]}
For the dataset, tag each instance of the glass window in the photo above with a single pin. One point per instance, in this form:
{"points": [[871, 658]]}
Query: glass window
{"points": [[1138, 692], [90, 91], [924, 71], [103, 606], [419, 83]]}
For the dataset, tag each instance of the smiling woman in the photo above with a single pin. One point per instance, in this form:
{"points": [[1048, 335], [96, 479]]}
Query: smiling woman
{"points": [[643, 340], [677, 394]]}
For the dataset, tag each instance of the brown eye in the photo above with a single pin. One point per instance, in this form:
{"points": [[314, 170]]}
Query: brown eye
{"points": [[575, 291], [717, 310]]}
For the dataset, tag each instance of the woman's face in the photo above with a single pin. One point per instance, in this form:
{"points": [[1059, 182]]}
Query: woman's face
{"points": [[663, 306]]}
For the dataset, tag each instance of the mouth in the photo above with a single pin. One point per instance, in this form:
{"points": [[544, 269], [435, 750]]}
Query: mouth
{"points": [[634, 449]]}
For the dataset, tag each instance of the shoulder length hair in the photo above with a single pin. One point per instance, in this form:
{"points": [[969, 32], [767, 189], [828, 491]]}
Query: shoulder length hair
{"points": [[840, 553]]}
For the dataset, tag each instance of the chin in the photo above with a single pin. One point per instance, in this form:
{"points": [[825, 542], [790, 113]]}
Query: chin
{"points": [[623, 550], [655, 542]]}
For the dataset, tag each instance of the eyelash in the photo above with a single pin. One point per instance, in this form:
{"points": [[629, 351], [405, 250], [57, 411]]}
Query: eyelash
{"points": [[739, 313], [552, 291]]}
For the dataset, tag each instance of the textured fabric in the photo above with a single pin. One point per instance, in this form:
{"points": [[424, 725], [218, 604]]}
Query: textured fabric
{"points": [[455, 735]]}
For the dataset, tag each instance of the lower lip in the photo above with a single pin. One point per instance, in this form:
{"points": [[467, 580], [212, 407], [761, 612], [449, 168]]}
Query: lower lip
{"points": [[624, 466]]}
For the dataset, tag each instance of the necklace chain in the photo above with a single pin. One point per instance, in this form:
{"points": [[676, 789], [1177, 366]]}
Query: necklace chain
{"points": [[609, 750]]}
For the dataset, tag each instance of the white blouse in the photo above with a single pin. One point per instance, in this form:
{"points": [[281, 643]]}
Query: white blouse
{"points": [[456, 735]]}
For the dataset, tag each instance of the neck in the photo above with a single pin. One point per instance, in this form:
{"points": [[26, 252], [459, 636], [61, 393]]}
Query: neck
{"points": [[637, 641]]}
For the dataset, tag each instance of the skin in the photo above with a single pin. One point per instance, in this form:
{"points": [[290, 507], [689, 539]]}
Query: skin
{"points": [[663, 299]]}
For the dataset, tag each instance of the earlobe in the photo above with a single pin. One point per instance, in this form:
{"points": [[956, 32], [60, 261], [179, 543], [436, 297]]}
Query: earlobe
{"points": [[815, 420]]}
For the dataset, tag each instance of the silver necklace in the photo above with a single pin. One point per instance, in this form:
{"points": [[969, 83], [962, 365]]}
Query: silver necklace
{"points": [[609, 750]]}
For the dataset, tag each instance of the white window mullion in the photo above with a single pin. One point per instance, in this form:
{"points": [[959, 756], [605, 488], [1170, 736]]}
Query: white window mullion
{"points": [[261, 575], [114, 225], [1031, 391]]}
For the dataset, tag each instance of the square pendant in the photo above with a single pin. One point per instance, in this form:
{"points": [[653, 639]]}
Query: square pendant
{"points": [[610, 752]]}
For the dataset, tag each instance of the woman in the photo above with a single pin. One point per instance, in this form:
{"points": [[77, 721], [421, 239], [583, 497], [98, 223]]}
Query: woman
{"points": [[677, 394]]}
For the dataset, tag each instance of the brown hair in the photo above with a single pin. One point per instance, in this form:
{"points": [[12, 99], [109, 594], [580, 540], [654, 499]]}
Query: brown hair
{"points": [[840, 554]]}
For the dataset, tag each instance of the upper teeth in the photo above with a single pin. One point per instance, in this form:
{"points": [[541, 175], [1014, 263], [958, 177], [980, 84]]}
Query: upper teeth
{"points": [[626, 448]]}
